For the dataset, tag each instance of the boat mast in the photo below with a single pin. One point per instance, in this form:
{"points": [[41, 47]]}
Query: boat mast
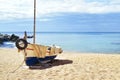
{"points": [[34, 27]]}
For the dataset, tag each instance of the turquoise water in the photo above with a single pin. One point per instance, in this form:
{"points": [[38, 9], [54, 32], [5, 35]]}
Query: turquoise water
{"points": [[97, 42]]}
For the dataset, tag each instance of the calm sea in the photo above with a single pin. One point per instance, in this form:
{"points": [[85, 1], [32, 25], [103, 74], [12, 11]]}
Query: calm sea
{"points": [[95, 42]]}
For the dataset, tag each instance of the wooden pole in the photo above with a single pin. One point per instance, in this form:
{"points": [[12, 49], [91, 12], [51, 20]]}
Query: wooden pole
{"points": [[34, 27]]}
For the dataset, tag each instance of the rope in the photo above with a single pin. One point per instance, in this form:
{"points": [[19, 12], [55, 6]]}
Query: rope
{"points": [[8, 74]]}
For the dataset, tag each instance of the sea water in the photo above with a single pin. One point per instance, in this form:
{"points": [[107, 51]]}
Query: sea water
{"points": [[86, 42]]}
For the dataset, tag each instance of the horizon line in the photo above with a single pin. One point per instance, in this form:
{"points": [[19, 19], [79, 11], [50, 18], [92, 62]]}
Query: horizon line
{"points": [[57, 32]]}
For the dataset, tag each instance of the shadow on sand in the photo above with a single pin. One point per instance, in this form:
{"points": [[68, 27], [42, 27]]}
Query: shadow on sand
{"points": [[53, 63]]}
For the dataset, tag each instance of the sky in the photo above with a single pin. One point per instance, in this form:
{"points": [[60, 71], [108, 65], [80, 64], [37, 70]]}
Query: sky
{"points": [[61, 15]]}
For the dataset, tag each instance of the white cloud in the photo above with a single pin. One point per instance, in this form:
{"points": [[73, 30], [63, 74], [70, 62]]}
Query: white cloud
{"points": [[15, 9], [24, 8]]}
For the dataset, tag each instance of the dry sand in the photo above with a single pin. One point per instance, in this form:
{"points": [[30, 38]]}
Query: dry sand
{"points": [[68, 66]]}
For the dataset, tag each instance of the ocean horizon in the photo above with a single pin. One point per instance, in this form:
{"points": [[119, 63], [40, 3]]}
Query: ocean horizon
{"points": [[84, 42]]}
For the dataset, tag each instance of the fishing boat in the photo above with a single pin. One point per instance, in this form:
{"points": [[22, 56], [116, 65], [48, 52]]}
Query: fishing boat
{"points": [[34, 53]]}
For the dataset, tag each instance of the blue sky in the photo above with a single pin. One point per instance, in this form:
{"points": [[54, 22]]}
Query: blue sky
{"points": [[61, 15]]}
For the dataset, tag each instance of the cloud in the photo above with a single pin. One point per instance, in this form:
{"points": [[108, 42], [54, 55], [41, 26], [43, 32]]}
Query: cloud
{"points": [[10, 9], [15, 9]]}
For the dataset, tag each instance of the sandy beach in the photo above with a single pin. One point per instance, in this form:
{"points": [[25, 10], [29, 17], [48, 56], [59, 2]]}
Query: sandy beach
{"points": [[67, 66]]}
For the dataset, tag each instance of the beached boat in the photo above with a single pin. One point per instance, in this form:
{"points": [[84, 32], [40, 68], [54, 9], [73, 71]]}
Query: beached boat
{"points": [[37, 54]]}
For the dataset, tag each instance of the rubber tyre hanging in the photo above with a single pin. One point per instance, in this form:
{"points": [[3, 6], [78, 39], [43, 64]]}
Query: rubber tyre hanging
{"points": [[22, 42]]}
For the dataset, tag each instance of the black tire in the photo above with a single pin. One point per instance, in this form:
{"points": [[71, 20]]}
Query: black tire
{"points": [[19, 42]]}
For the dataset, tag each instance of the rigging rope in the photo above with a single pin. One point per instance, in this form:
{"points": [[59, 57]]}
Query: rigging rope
{"points": [[8, 74]]}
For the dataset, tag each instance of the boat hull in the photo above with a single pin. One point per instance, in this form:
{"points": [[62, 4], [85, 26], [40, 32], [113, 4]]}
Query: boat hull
{"points": [[32, 61], [37, 54]]}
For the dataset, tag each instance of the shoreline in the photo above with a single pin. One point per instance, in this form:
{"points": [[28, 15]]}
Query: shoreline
{"points": [[67, 66], [72, 52]]}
